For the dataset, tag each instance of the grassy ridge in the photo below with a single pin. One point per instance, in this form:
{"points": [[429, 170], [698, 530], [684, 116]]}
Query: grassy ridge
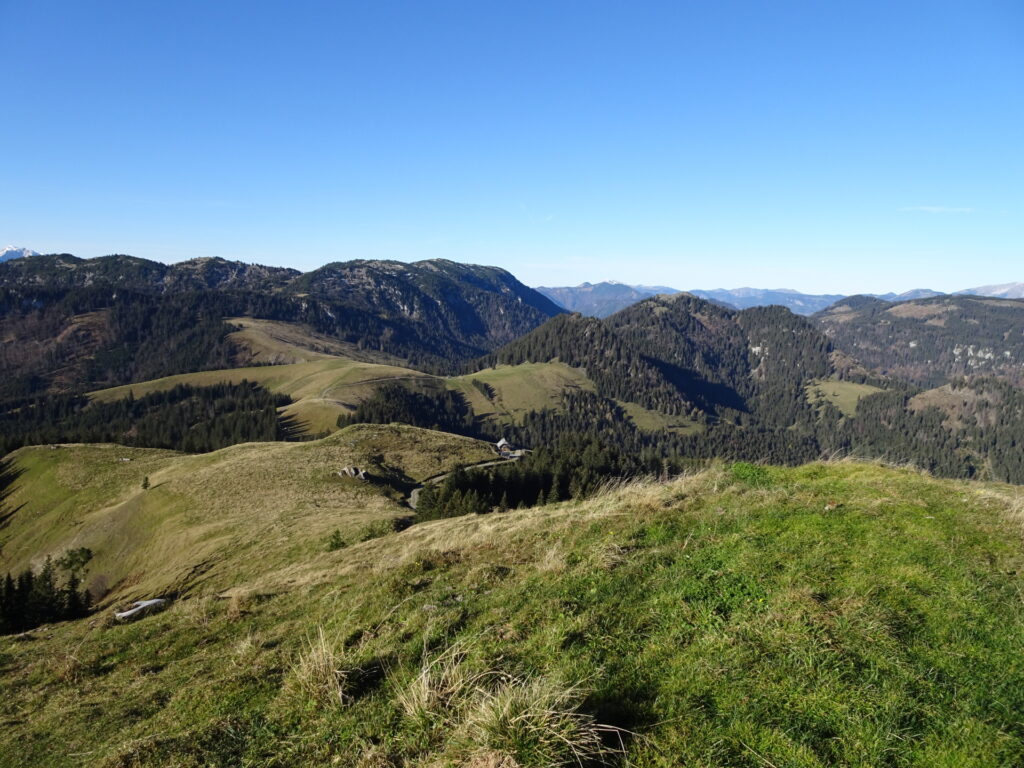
{"points": [[322, 389], [842, 614], [222, 519]]}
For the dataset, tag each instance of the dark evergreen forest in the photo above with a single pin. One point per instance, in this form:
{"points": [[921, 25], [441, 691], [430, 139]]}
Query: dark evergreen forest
{"points": [[31, 599]]}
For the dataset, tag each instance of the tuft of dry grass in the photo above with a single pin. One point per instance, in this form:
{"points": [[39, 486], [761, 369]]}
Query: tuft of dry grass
{"points": [[196, 611], [552, 560], [441, 689], [247, 652], [319, 674], [610, 557], [238, 605], [496, 720], [536, 723], [374, 757]]}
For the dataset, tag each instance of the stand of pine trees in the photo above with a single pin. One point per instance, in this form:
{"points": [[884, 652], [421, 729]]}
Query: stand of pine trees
{"points": [[425, 405], [31, 599], [574, 468]]}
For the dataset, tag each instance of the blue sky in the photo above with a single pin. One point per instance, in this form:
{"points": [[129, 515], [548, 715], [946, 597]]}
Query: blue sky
{"points": [[825, 146]]}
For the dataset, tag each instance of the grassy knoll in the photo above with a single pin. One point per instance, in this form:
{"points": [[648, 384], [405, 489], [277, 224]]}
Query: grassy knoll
{"points": [[844, 395], [519, 389], [843, 614], [242, 514]]}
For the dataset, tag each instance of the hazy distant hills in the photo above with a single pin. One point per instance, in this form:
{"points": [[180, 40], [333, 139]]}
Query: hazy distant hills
{"points": [[607, 298], [745, 298], [11, 252], [917, 293], [601, 299], [1003, 291]]}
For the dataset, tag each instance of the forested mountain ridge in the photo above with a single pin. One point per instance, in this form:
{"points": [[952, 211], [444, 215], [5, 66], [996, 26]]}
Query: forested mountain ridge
{"points": [[69, 324], [750, 360], [930, 341], [484, 304], [64, 271], [618, 370], [680, 354], [671, 377], [768, 385]]}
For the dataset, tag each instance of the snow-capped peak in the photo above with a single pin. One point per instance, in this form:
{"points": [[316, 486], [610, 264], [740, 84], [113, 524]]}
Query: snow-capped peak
{"points": [[12, 252]]}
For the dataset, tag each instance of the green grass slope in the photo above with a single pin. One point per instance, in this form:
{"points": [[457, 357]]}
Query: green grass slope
{"points": [[845, 614], [224, 519], [519, 389], [844, 395]]}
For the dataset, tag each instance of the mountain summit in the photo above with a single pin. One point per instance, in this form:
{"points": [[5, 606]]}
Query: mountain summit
{"points": [[13, 252]]}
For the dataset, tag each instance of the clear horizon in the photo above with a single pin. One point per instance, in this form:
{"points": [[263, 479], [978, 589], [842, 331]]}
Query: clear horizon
{"points": [[826, 149]]}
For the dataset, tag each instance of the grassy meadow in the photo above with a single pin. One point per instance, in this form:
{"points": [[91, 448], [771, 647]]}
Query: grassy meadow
{"points": [[834, 614], [844, 395]]}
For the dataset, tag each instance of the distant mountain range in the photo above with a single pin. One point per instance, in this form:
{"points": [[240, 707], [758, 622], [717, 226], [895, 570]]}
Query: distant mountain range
{"points": [[607, 298], [1003, 291], [745, 298], [601, 299], [932, 380], [917, 293], [72, 324], [11, 252]]}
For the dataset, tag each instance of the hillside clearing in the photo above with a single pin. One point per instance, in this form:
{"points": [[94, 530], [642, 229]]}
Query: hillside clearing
{"points": [[844, 395], [520, 389]]}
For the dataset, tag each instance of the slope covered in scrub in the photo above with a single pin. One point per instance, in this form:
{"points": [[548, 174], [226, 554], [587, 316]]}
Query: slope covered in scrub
{"points": [[832, 614]]}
